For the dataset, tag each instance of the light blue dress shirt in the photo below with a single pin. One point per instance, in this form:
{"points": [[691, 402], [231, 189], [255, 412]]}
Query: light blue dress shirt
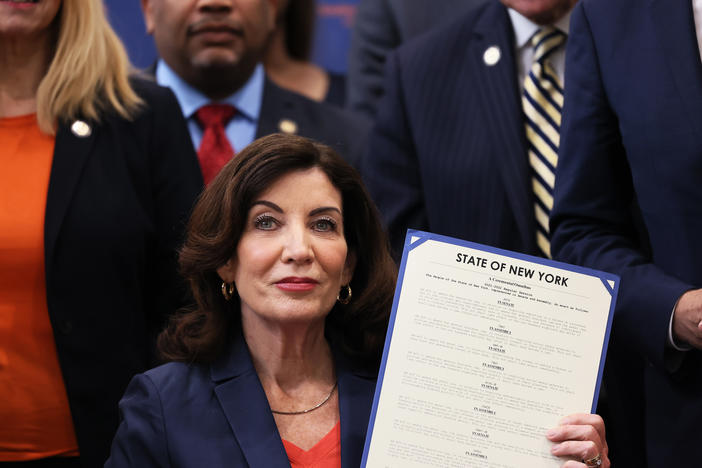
{"points": [[241, 129]]}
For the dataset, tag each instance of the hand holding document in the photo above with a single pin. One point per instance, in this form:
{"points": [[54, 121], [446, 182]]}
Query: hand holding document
{"points": [[581, 436], [486, 351]]}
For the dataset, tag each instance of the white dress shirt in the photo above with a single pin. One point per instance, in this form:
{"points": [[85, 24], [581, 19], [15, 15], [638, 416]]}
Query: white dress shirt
{"points": [[697, 14], [524, 29]]}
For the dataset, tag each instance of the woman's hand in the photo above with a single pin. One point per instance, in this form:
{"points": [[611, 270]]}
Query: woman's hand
{"points": [[580, 437]]}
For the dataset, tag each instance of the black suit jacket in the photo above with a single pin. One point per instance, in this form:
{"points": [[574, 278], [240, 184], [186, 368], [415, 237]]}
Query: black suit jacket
{"points": [[448, 151], [117, 203], [345, 132]]}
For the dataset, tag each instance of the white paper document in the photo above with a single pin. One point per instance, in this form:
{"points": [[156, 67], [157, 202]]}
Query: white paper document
{"points": [[486, 350]]}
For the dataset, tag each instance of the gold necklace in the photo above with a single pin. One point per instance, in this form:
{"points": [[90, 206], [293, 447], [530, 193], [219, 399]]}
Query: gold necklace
{"points": [[318, 405]]}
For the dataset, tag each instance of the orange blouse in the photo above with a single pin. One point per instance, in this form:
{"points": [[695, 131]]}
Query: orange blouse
{"points": [[36, 418], [325, 454]]}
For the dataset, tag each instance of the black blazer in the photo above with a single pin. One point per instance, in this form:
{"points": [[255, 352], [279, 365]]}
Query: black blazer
{"points": [[117, 202], [345, 132], [448, 152]]}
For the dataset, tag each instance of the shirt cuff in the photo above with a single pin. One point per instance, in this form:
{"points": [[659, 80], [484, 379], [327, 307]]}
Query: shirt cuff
{"points": [[671, 340]]}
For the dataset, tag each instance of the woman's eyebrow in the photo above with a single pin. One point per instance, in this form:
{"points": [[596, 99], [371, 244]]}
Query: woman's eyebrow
{"points": [[275, 207], [322, 209], [269, 204]]}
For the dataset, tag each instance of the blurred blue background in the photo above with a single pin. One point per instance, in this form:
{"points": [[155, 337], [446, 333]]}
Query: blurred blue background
{"points": [[334, 20]]}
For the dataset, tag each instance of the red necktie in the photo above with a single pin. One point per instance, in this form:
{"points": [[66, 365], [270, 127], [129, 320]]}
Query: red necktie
{"points": [[215, 150]]}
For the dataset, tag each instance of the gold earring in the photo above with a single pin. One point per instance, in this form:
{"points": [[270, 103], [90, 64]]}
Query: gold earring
{"points": [[347, 296], [227, 290]]}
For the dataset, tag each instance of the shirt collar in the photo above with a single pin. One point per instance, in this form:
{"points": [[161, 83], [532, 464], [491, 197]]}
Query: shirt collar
{"points": [[247, 100], [524, 28]]}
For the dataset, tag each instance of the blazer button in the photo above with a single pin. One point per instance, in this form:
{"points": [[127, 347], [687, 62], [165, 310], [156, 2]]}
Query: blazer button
{"points": [[65, 327]]}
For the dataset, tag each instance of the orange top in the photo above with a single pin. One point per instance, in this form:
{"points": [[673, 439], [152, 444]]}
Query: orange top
{"points": [[36, 419], [325, 454]]}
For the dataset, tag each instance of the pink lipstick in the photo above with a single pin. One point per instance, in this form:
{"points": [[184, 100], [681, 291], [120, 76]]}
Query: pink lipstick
{"points": [[296, 284], [20, 4]]}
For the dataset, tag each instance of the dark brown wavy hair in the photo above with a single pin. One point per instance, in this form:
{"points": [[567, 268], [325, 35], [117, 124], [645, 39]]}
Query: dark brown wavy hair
{"points": [[215, 227]]}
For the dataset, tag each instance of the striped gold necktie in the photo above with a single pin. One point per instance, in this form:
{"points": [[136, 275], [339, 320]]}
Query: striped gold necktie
{"points": [[542, 102]]}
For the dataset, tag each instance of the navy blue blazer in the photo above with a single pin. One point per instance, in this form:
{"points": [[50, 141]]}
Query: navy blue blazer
{"points": [[632, 135], [448, 152], [344, 131], [218, 416], [380, 26], [324, 122]]}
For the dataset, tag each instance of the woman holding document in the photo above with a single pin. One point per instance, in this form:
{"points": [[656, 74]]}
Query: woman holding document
{"points": [[277, 364]]}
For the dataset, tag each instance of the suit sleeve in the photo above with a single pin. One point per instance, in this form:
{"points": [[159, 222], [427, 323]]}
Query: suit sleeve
{"points": [[594, 221], [374, 36], [390, 167], [346, 132], [176, 184], [141, 437]]}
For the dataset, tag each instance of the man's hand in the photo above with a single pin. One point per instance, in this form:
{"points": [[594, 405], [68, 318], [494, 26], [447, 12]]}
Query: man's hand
{"points": [[687, 319]]}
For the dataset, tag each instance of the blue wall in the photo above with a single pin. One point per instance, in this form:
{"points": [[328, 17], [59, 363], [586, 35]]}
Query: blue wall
{"points": [[334, 19]]}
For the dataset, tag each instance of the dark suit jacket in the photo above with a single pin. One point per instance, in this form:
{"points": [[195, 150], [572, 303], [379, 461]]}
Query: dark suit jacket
{"points": [[345, 132], [218, 416], [448, 153], [117, 203], [632, 131], [380, 26]]}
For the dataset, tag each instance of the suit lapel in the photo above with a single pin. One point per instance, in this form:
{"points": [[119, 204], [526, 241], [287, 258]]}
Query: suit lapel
{"points": [[70, 154], [275, 107], [497, 85], [246, 408], [674, 27], [355, 401]]}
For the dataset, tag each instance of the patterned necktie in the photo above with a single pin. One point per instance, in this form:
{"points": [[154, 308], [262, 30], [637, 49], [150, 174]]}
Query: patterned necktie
{"points": [[542, 102], [215, 150]]}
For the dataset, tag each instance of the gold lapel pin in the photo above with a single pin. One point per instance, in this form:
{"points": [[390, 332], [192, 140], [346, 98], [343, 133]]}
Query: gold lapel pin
{"points": [[81, 129], [287, 126]]}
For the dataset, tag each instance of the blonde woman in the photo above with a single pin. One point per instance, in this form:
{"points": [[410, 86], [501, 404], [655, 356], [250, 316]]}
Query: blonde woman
{"points": [[98, 174]]}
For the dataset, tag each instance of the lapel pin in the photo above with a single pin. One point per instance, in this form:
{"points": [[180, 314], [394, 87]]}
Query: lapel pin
{"points": [[492, 55], [287, 126], [81, 129]]}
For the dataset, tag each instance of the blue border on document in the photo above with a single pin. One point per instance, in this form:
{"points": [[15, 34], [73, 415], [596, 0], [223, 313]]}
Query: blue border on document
{"points": [[426, 236]]}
